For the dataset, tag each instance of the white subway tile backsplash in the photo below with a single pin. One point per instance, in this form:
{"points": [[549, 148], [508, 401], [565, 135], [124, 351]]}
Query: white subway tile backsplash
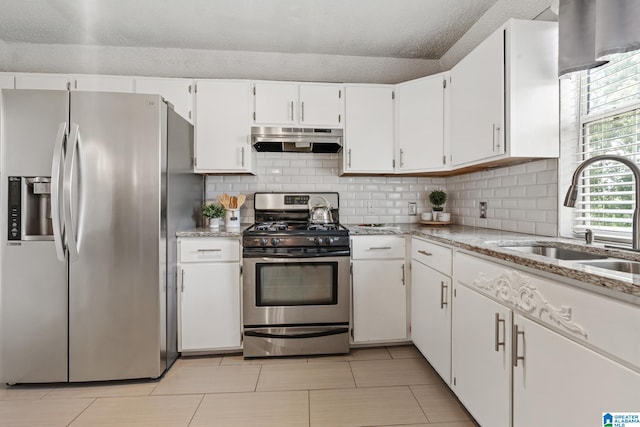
{"points": [[520, 198]]}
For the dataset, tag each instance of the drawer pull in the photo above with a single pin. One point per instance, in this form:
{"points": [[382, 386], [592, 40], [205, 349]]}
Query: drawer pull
{"points": [[380, 248], [209, 250], [499, 343], [425, 253]]}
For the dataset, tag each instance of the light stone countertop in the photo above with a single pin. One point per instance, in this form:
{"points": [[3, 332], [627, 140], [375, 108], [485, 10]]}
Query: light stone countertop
{"points": [[222, 231], [488, 242]]}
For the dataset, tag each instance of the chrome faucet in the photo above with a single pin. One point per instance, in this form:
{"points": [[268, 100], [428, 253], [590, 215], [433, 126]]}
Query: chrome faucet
{"points": [[572, 192]]}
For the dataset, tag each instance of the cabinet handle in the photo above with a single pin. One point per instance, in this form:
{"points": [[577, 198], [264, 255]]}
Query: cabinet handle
{"points": [[401, 157], [403, 276], [498, 343], [209, 250], [443, 288], [514, 346], [349, 156], [302, 111], [380, 248], [496, 141], [182, 281], [291, 109], [425, 253], [242, 164]]}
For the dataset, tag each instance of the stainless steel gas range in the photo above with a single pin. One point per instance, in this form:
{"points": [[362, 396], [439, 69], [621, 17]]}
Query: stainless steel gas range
{"points": [[296, 276]]}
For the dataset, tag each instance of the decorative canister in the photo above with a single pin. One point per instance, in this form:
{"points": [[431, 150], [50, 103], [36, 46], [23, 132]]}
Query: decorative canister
{"points": [[232, 218]]}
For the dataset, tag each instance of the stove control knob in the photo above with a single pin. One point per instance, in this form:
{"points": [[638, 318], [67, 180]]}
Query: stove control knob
{"points": [[318, 240], [264, 242], [331, 240], [275, 241]]}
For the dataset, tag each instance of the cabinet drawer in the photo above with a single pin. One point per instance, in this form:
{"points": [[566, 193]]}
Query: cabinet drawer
{"points": [[601, 322], [435, 256], [208, 249], [377, 247]]}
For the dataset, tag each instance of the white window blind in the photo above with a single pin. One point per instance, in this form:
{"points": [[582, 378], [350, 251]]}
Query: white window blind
{"points": [[610, 124]]}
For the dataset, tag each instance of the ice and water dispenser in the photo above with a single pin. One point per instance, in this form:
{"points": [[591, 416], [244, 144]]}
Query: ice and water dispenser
{"points": [[30, 208]]}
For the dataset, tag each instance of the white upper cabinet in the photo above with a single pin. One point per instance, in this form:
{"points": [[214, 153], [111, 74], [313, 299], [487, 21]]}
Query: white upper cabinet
{"points": [[75, 82], [306, 105], [7, 81], [369, 129], [43, 81], [176, 91], [222, 128], [420, 138], [102, 84], [504, 96]]}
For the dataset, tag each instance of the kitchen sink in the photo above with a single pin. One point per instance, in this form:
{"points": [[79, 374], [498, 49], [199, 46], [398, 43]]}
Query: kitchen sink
{"points": [[557, 253], [622, 266]]}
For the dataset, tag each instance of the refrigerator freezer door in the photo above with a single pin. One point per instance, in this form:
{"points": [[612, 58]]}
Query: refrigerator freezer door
{"points": [[33, 295], [115, 285]]}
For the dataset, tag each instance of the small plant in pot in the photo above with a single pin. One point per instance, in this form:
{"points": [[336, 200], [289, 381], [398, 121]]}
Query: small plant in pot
{"points": [[214, 212], [437, 198]]}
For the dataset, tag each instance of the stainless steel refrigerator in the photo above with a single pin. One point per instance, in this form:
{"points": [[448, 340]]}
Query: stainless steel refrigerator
{"points": [[93, 188]]}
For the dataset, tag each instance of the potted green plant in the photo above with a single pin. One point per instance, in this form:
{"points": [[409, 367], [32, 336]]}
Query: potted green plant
{"points": [[437, 198], [214, 212]]}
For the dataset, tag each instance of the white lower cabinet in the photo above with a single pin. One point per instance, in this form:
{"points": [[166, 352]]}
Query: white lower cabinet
{"points": [[481, 357], [379, 289], [431, 304], [208, 294], [560, 382], [531, 351]]}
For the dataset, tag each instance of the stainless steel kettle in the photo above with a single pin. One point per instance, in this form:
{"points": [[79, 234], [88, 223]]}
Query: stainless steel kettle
{"points": [[320, 213]]}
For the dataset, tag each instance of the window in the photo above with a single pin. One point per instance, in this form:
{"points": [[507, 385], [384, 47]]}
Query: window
{"points": [[609, 124]]}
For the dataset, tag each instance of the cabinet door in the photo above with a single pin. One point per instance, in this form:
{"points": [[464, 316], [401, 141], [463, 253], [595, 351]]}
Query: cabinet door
{"points": [[477, 103], [420, 124], [368, 129], [209, 303], [431, 317], [222, 131], [176, 91], [103, 84], [42, 81], [6, 81], [275, 103], [481, 359], [321, 105], [563, 381], [379, 300]]}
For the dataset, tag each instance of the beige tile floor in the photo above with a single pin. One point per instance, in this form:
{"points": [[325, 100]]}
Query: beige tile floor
{"points": [[383, 386]]}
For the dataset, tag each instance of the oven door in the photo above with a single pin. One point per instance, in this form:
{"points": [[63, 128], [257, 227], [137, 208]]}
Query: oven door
{"points": [[295, 291]]}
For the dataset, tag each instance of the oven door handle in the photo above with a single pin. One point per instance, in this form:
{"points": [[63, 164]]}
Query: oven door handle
{"points": [[326, 333], [266, 256]]}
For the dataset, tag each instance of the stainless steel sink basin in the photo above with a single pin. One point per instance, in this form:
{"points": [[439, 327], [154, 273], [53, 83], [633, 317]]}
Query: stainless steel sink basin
{"points": [[557, 253], [622, 266]]}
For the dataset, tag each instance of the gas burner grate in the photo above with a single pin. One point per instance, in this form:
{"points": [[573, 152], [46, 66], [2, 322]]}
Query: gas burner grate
{"points": [[272, 226], [322, 227]]}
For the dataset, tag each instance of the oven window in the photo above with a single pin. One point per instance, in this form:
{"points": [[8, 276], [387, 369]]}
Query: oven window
{"points": [[297, 283]]}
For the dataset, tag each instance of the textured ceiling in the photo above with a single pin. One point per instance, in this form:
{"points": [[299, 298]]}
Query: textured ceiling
{"points": [[424, 29]]}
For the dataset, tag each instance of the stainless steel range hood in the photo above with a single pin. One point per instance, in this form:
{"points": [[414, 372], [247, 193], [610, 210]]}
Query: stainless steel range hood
{"points": [[305, 140]]}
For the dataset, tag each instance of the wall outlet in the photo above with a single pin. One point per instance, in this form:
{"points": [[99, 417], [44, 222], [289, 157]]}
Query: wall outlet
{"points": [[371, 207], [413, 208], [483, 209]]}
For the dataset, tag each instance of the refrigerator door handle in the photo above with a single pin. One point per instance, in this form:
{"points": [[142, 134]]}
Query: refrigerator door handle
{"points": [[58, 225], [72, 241]]}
